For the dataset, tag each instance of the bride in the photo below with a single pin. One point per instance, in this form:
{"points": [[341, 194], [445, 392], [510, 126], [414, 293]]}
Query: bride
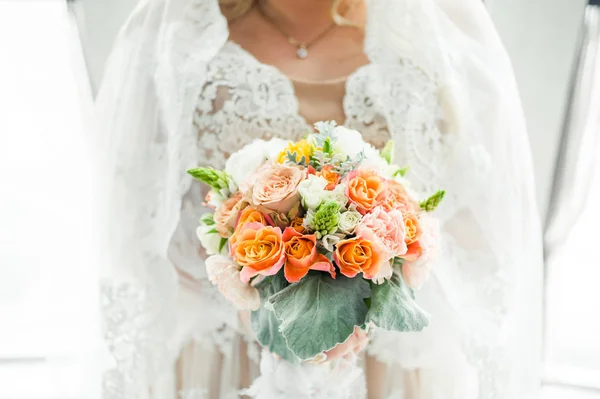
{"points": [[191, 81]]}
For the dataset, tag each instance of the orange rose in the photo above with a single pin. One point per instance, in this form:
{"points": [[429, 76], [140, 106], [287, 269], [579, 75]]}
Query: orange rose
{"points": [[332, 177], [302, 256], [398, 198], [298, 224], [366, 189], [226, 215], [413, 234], [259, 250], [250, 214], [357, 255]]}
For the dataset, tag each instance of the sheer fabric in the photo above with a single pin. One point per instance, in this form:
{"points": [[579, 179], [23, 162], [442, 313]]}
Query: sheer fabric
{"points": [[178, 94]]}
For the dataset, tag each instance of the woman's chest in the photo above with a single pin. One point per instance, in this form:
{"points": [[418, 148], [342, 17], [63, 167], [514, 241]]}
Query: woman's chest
{"points": [[243, 100]]}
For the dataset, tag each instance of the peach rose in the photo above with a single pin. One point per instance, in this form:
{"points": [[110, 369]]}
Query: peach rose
{"points": [[413, 231], [357, 255], [258, 249], [276, 187], [365, 189], [398, 198], [227, 214], [225, 274], [302, 256], [385, 228]]}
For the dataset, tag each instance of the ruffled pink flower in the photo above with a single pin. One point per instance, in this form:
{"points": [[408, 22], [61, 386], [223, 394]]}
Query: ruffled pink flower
{"points": [[386, 229], [225, 274]]}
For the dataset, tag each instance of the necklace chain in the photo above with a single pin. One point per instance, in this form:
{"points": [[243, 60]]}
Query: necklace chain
{"points": [[301, 47]]}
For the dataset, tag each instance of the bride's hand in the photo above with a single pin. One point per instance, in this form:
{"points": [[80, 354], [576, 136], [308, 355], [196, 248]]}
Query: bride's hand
{"points": [[349, 349]]}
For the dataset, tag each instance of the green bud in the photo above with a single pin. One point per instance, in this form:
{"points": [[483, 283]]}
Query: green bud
{"points": [[326, 218], [216, 179], [431, 203]]}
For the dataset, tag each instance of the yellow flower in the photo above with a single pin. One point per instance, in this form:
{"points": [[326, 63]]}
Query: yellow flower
{"points": [[301, 148]]}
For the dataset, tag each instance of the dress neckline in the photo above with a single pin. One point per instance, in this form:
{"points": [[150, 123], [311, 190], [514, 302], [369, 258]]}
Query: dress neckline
{"points": [[293, 83]]}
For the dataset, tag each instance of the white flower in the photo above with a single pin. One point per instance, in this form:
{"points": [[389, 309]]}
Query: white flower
{"points": [[373, 160], [348, 221], [216, 198], [245, 162], [313, 193], [329, 241], [311, 190], [209, 239], [347, 141], [225, 274], [338, 194]]}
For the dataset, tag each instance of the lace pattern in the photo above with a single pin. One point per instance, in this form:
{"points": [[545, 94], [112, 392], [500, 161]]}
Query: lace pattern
{"points": [[215, 98]]}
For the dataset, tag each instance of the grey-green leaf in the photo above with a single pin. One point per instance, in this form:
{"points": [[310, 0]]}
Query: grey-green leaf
{"points": [[319, 312], [393, 307], [264, 322]]}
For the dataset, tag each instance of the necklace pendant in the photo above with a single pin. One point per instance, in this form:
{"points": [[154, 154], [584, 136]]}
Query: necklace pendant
{"points": [[302, 53]]}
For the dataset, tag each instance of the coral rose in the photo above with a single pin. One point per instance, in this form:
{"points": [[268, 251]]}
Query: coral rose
{"points": [[366, 189], [227, 214], [397, 197], [302, 256], [259, 250], [413, 231], [276, 187], [225, 274], [357, 255], [327, 173], [416, 272]]}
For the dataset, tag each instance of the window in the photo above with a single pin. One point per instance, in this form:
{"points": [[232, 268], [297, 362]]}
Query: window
{"points": [[48, 307]]}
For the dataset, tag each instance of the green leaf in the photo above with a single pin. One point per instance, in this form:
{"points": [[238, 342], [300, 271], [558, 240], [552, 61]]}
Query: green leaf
{"points": [[327, 146], [387, 152], [319, 312], [393, 307], [402, 171], [212, 231], [207, 219], [222, 243], [431, 203], [264, 322]]}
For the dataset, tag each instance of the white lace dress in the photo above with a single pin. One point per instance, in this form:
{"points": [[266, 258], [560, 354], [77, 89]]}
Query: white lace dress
{"points": [[244, 100], [177, 94]]}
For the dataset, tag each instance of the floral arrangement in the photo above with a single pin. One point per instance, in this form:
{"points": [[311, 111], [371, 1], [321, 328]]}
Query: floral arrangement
{"points": [[317, 238]]}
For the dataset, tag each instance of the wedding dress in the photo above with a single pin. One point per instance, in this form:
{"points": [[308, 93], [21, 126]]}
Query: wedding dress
{"points": [[178, 94]]}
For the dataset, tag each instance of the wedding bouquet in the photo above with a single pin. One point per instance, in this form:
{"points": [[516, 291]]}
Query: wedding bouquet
{"points": [[318, 237]]}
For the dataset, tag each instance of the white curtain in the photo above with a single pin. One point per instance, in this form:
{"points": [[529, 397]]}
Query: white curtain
{"points": [[49, 334]]}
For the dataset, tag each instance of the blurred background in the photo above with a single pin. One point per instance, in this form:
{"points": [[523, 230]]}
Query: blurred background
{"points": [[52, 54]]}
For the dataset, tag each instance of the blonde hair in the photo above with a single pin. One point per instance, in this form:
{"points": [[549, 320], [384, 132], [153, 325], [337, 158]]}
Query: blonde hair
{"points": [[233, 9]]}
